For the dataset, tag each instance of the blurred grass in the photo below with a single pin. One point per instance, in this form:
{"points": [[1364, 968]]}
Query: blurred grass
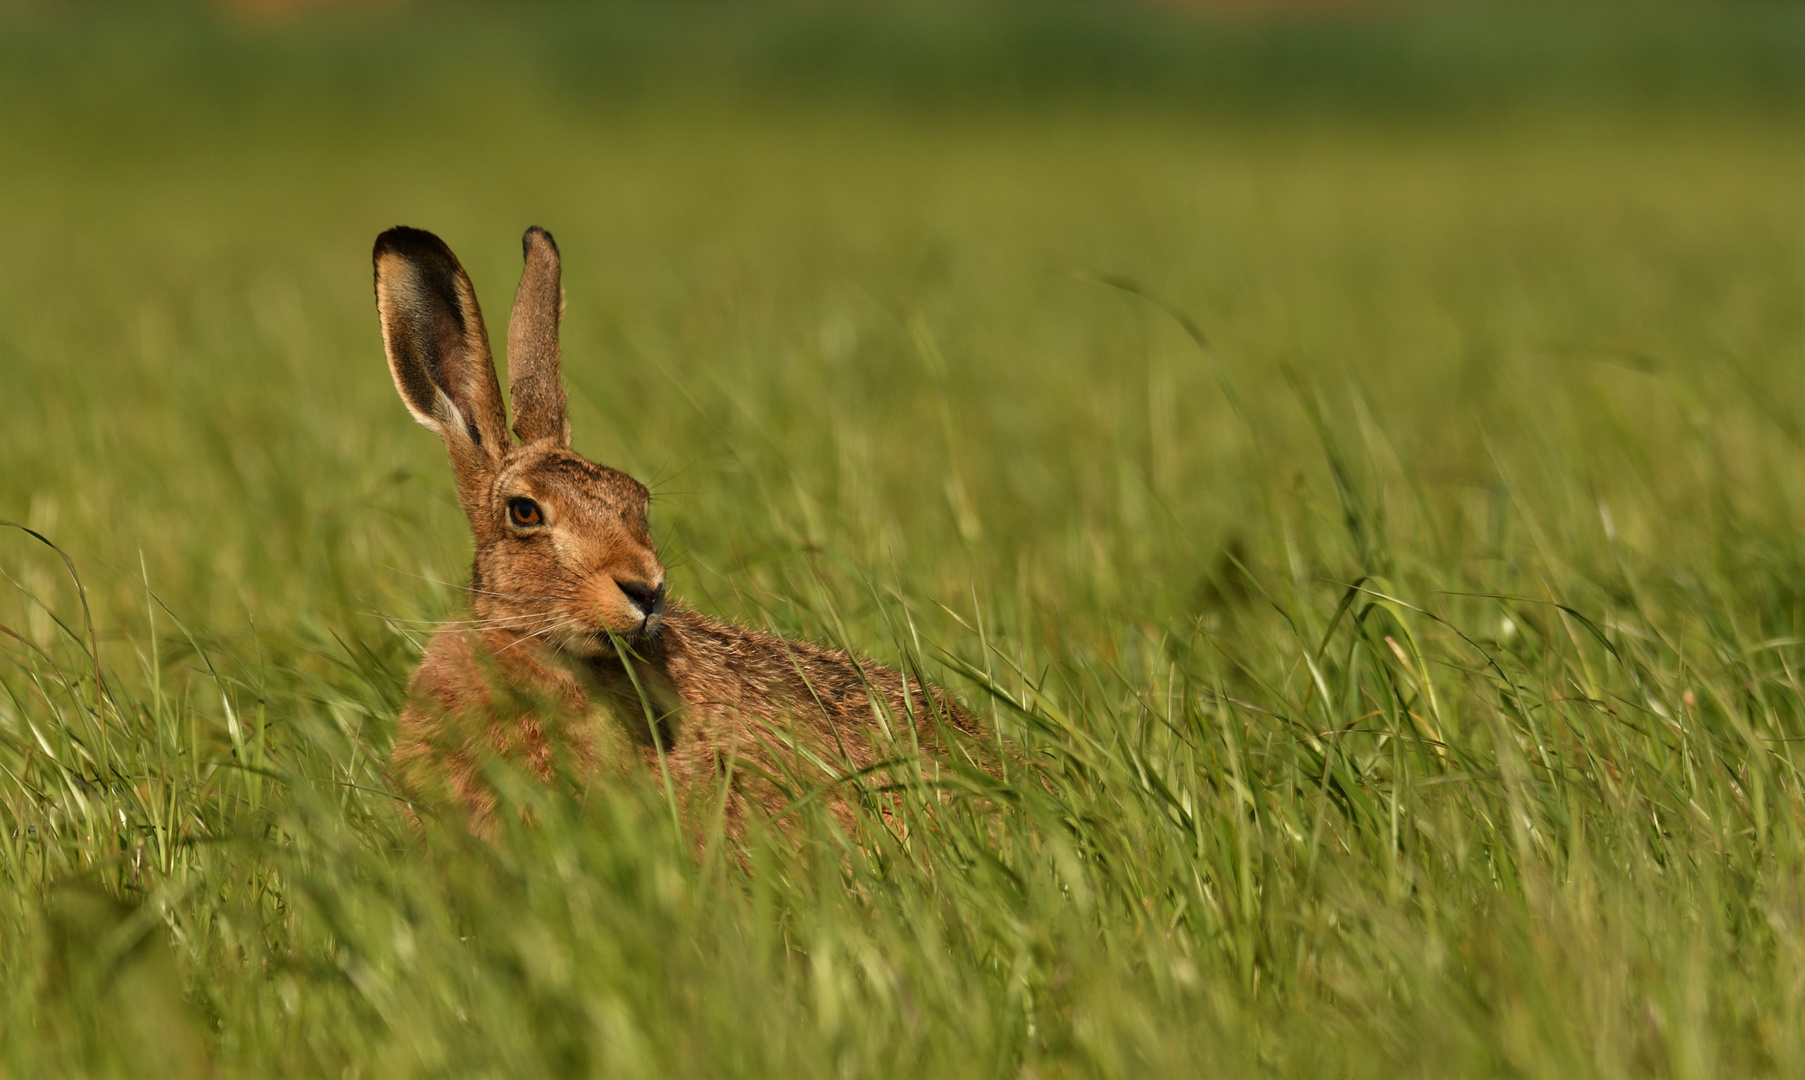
{"points": [[1401, 684], [1423, 61]]}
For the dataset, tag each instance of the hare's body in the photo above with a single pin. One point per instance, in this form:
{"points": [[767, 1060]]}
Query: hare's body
{"points": [[708, 698], [571, 659]]}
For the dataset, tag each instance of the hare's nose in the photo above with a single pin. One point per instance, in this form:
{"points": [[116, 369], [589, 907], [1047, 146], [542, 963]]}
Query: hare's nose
{"points": [[647, 598]]}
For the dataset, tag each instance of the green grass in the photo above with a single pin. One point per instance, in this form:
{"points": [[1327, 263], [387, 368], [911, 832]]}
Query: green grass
{"points": [[1404, 683]]}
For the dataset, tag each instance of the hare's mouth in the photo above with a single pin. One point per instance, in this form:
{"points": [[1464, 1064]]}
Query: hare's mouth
{"points": [[645, 638]]}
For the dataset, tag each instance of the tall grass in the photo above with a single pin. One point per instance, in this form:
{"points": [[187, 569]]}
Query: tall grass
{"points": [[1375, 549]]}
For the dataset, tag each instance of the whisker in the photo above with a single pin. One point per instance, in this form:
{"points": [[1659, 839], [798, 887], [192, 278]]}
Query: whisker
{"points": [[481, 592], [542, 632], [524, 596], [505, 620], [512, 622]]}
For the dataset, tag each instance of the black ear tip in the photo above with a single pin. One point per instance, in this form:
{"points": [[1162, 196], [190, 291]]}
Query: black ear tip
{"points": [[411, 244], [526, 240]]}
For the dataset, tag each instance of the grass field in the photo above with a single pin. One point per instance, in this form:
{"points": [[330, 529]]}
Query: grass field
{"points": [[1402, 678]]}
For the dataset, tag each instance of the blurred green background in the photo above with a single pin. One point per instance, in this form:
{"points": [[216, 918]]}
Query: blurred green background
{"points": [[1398, 671]]}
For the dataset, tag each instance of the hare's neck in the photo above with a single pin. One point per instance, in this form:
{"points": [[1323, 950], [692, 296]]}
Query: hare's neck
{"points": [[634, 698]]}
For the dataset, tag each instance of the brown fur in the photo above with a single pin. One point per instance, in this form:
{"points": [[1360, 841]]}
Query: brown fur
{"points": [[573, 660]]}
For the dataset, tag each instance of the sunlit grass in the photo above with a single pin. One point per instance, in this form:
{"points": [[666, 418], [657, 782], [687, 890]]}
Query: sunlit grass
{"points": [[1399, 677]]}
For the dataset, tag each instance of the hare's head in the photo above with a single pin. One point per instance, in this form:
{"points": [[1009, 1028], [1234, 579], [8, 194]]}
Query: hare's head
{"points": [[562, 549]]}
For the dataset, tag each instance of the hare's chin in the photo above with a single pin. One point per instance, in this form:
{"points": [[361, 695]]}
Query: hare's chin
{"points": [[596, 644]]}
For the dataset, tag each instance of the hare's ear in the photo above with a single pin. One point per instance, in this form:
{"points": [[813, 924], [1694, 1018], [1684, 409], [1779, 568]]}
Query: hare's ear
{"points": [[438, 353], [533, 381]]}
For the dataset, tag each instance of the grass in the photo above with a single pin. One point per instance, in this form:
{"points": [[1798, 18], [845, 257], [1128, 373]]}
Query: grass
{"points": [[1401, 680]]}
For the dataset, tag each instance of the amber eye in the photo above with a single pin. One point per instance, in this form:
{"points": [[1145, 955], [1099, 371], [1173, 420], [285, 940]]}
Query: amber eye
{"points": [[524, 512]]}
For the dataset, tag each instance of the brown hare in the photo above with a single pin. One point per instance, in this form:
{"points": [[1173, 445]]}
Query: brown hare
{"points": [[575, 655]]}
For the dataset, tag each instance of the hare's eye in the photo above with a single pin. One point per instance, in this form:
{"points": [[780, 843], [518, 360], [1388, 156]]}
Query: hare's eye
{"points": [[524, 512]]}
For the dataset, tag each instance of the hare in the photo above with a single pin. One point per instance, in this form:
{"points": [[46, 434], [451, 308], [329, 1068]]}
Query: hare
{"points": [[575, 653]]}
